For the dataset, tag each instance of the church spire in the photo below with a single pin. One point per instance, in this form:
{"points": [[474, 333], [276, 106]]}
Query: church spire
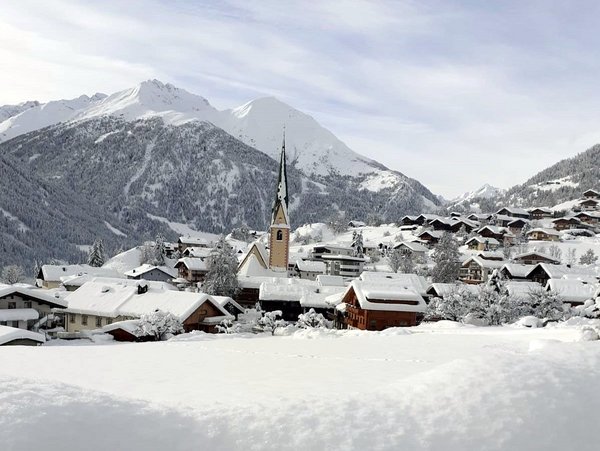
{"points": [[281, 196]]}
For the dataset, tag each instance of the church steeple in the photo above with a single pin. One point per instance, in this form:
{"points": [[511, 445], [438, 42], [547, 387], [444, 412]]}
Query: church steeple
{"points": [[279, 231]]}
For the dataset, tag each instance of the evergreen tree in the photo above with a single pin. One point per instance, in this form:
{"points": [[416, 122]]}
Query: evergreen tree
{"points": [[447, 260], [588, 258], [221, 278], [96, 255]]}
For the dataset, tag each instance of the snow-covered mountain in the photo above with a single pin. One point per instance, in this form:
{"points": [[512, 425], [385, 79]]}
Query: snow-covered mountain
{"points": [[487, 191], [259, 123]]}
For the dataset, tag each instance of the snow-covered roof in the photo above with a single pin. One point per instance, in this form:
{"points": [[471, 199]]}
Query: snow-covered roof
{"points": [[57, 272], [129, 325], [143, 269], [483, 240], [418, 283], [310, 266], [496, 230], [197, 252], [491, 255], [39, 294], [122, 299], [8, 334], [286, 289], [542, 230], [517, 269], [442, 289], [225, 300], [414, 246], [490, 264], [514, 210], [19, 314], [542, 209], [193, 264], [572, 290], [432, 233], [391, 296], [330, 281], [531, 254], [521, 290], [257, 281], [193, 241], [562, 271]]}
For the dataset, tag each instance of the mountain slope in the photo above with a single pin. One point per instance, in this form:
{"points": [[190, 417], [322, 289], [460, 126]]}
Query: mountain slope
{"points": [[40, 221], [561, 182], [473, 198], [313, 149], [194, 173]]}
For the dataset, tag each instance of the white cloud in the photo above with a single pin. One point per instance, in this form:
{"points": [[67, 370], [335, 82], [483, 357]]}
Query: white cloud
{"points": [[453, 96]]}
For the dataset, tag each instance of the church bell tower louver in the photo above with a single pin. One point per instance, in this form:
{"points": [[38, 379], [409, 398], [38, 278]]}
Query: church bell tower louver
{"points": [[279, 231]]}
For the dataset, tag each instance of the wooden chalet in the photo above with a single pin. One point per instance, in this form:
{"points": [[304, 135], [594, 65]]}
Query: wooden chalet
{"points": [[591, 194], [589, 204], [540, 234], [377, 306], [192, 270], [188, 241], [516, 271], [479, 243], [542, 272], [589, 217], [430, 237], [566, 223], [515, 212], [533, 258], [540, 213], [477, 270], [415, 248]]}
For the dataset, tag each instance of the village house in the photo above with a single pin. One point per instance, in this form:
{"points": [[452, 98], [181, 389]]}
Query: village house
{"points": [[572, 292], [476, 270], [284, 294], [588, 204], [97, 304], [589, 217], [318, 252], [516, 226], [591, 194], [191, 270], [439, 290], [10, 336], [540, 234], [343, 265], [307, 269], [498, 233], [533, 258], [540, 213], [356, 224], [197, 252], [481, 218], [413, 281], [566, 223], [479, 243], [416, 249], [430, 237], [379, 305], [515, 212], [153, 273], [410, 221], [516, 271], [188, 241], [542, 272], [25, 307], [52, 276]]}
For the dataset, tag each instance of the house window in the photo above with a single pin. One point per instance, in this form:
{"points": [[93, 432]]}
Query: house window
{"points": [[14, 324], [71, 318], [84, 320], [27, 304], [108, 321], [279, 235], [98, 321], [12, 305]]}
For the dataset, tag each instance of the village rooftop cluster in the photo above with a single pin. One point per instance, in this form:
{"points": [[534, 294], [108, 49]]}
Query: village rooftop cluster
{"points": [[347, 275]]}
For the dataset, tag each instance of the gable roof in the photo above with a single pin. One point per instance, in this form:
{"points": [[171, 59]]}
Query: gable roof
{"points": [[193, 264], [8, 334], [381, 296], [414, 246], [37, 294], [442, 289], [535, 254], [484, 240], [55, 273], [258, 250], [572, 290], [517, 269], [490, 264], [145, 268], [311, 266]]}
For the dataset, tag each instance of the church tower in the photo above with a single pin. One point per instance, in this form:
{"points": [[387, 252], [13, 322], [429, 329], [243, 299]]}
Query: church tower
{"points": [[279, 231]]}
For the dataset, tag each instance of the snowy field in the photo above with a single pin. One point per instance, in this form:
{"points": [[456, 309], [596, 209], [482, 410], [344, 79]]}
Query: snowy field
{"points": [[433, 387]]}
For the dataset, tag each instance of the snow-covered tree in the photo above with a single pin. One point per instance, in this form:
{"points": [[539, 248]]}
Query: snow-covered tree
{"points": [[493, 303], [147, 253], [546, 304], [452, 306], [270, 321], [241, 233], [96, 256], [395, 260], [228, 326], [160, 325], [588, 258], [312, 319], [447, 260], [221, 278], [159, 250], [357, 244], [13, 274]]}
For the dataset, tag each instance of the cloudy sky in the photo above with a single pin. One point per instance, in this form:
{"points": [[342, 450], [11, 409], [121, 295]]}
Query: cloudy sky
{"points": [[453, 93]]}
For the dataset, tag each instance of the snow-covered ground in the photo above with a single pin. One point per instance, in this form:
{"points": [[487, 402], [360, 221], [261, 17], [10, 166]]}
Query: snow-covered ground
{"points": [[436, 387]]}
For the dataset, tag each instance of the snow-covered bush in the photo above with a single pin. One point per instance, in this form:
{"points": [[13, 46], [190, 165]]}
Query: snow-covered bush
{"points": [[453, 306], [589, 333], [546, 305], [589, 309], [588, 258], [160, 325], [227, 326], [270, 321], [311, 320]]}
